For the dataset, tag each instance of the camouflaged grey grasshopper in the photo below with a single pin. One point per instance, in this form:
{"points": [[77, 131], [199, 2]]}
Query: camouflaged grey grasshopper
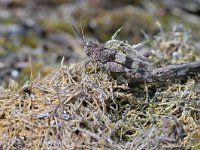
{"points": [[130, 63]]}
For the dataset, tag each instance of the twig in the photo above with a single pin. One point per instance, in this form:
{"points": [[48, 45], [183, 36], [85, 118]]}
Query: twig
{"points": [[167, 72]]}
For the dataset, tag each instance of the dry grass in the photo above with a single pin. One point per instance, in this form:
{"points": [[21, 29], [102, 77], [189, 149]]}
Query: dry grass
{"points": [[74, 108]]}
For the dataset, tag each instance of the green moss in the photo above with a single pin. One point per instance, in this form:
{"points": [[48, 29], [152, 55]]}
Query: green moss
{"points": [[30, 40], [55, 25], [8, 21]]}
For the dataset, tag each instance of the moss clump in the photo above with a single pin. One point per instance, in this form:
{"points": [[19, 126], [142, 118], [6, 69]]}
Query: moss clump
{"points": [[72, 109]]}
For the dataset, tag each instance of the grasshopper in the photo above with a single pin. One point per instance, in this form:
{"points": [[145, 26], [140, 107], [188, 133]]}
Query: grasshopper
{"points": [[131, 64]]}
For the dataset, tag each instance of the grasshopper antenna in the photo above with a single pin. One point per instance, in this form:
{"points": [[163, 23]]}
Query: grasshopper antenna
{"points": [[82, 37]]}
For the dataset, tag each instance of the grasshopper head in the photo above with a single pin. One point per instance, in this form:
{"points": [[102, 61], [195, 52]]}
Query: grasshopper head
{"points": [[91, 48]]}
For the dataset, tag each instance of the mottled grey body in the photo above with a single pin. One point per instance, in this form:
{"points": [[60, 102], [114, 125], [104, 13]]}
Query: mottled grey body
{"points": [[130, 63], [115, 61]]}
